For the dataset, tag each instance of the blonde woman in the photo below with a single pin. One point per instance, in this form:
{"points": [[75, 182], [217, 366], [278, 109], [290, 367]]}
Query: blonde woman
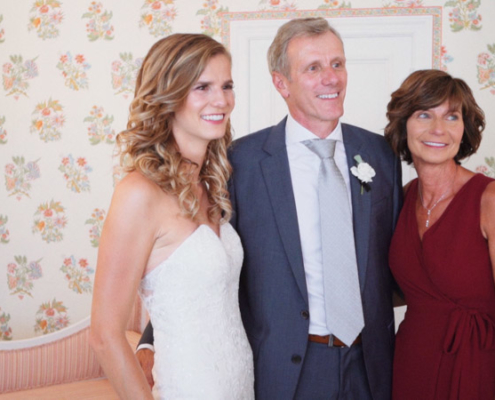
{"points": [[166, 234]]}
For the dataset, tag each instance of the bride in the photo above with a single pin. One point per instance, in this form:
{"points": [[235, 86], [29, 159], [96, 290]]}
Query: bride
{"points": [[166, 234]]}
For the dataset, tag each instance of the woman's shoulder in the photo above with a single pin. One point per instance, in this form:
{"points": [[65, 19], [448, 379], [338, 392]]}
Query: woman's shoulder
{"points": [[476, 183], [137, 190], [488, 211], [489, 193], [135, 180]]}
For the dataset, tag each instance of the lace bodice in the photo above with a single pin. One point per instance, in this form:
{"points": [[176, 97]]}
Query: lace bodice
{"points": [[201, 349]]}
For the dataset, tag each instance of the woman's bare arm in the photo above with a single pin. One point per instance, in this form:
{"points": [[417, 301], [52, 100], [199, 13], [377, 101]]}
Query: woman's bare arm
{"points": [[126, 242]]}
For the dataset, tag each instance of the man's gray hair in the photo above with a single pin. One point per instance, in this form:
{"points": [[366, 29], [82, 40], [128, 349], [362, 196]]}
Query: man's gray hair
{"points": [[277, 53]]}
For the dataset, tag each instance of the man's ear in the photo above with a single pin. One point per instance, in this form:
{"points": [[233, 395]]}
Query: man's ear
{"points": [[280, 83]]}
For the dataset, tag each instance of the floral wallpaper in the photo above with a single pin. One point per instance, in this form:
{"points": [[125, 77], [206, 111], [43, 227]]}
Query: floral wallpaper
{"points": [[68, 74]]}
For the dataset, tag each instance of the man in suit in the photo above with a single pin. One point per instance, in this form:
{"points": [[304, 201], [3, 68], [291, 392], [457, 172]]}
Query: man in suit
{"points": [[274, 193]]}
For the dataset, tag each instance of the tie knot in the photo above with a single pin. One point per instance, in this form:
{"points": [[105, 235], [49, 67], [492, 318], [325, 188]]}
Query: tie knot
{"points": [[323, 148]]}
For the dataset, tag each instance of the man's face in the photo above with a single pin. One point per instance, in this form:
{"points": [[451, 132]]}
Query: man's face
{"points": [[315, 89]]}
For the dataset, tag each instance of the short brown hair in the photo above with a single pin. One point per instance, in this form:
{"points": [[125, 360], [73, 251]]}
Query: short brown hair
{"points": [[427, 89], [277, 53]]}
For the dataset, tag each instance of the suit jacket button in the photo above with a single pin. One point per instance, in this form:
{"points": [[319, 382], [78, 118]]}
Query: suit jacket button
{"points": [[305, 314], [296, 359]]}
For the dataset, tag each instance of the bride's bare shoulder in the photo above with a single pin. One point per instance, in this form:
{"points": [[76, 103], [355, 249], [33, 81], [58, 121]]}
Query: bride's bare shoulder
{"points": [[138, 187]]}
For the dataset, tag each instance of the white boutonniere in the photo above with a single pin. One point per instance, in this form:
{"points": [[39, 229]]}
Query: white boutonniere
{"points": [[364, 172]]}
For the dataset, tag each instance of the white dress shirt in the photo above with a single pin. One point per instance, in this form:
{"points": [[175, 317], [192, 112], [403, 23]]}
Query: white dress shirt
{"points": [[304, 169]]}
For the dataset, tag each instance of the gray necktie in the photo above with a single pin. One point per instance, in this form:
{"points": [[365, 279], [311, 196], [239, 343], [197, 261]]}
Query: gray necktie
{"points": [[344, 311]]}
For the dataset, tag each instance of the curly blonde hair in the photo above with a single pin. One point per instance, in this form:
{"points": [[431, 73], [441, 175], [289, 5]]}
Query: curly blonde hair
{"points": [[171, 67]]}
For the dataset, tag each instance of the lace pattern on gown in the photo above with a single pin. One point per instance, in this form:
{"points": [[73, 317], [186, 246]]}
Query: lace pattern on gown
{"points": [[201, 349]]}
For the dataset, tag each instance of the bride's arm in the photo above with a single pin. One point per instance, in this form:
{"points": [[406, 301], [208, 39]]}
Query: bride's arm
{"points": [[125, 245]]}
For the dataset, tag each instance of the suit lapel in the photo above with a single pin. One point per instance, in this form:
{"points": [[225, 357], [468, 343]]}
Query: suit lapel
{"points": [[361, 203], [276, 174]]}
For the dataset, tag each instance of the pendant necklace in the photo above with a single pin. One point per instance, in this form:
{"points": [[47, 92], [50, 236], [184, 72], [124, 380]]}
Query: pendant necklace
{"points": [[429, 210]]}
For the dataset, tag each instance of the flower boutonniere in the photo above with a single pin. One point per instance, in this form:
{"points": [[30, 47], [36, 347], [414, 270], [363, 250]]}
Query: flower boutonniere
{"points": [[364, 172]]}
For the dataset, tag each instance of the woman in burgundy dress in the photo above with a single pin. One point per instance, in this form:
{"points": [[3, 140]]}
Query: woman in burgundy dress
{"points": [[443, 250]]}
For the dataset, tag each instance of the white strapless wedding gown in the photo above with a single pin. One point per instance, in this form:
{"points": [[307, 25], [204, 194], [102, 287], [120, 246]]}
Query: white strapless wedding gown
{"points": [[201, 348]]}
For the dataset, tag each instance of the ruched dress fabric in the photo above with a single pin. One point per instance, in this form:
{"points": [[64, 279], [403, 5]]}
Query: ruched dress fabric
{"points": [[445, 347], [201, 348]]}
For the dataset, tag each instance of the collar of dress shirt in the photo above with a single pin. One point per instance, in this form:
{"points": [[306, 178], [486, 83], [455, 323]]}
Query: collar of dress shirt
{"points": [[295, 132]]}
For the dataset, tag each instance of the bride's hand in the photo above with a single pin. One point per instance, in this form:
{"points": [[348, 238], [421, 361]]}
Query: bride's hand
{"points": [[146, 359]]}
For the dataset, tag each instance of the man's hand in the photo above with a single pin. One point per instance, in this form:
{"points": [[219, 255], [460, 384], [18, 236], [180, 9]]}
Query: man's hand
{"points": [[146, 359]]}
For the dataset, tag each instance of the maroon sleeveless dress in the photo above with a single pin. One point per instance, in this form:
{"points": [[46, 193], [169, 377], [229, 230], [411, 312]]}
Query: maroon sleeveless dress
{"points": [[445, 347]]}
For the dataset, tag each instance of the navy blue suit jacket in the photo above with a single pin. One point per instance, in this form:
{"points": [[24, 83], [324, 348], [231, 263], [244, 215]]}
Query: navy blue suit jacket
{"points": [[273, 293]]}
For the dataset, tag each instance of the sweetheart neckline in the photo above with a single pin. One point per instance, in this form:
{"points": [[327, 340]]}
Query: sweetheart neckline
{"points": [[219, 237]]}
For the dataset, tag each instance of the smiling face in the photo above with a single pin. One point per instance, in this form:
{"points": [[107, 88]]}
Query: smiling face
{"points": [[315, 89], [205, 114], [434, 135]]}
